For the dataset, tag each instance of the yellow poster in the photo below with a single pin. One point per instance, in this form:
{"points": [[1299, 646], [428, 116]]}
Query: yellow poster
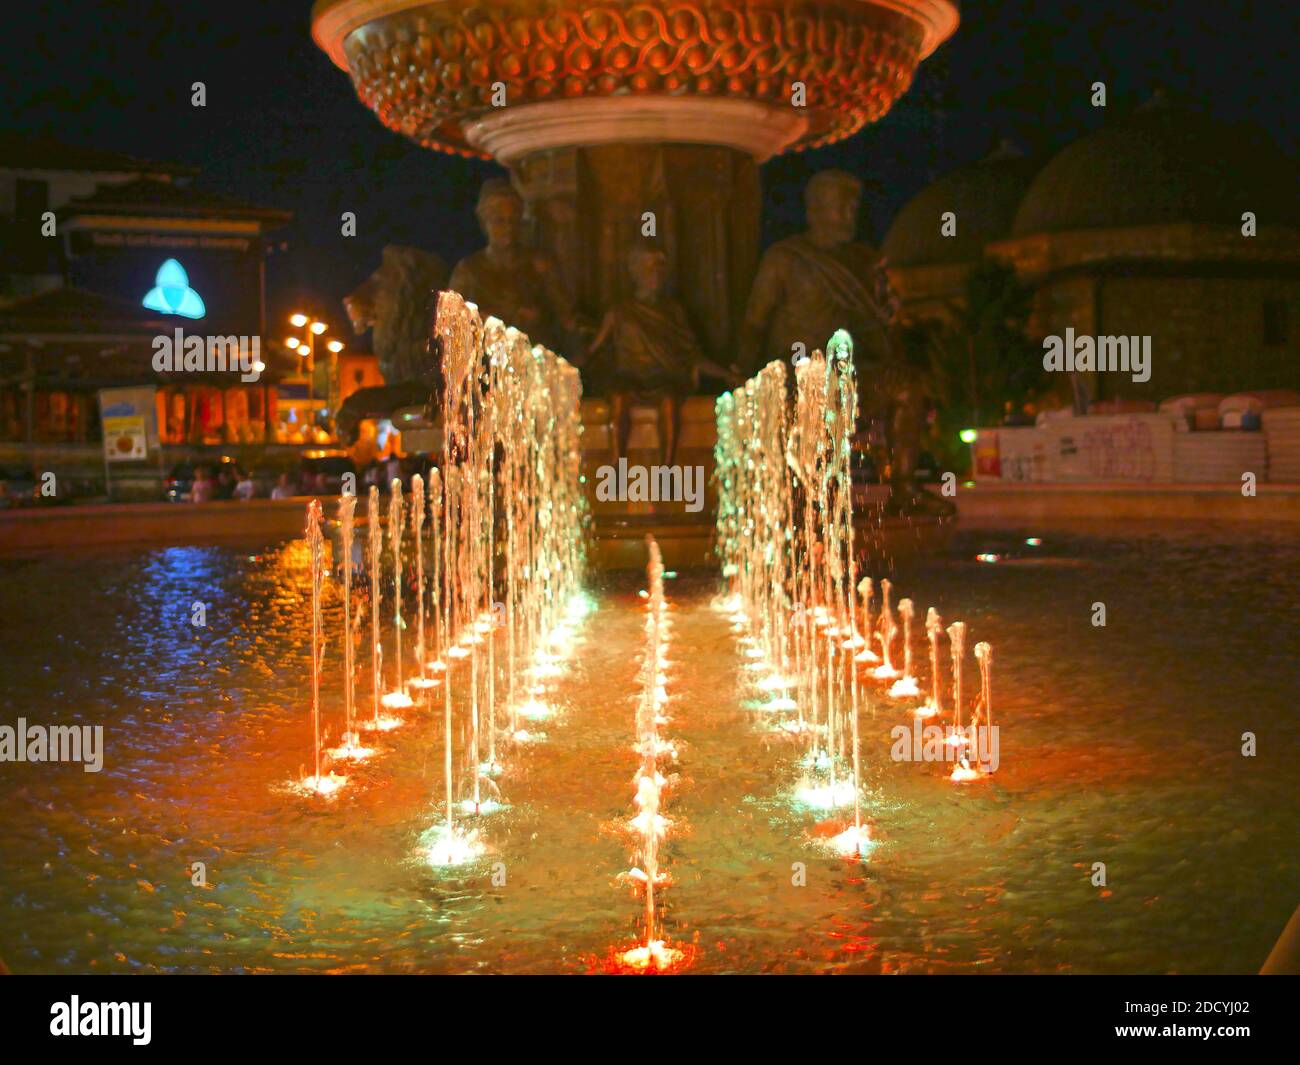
{"points": [[124, 438]]}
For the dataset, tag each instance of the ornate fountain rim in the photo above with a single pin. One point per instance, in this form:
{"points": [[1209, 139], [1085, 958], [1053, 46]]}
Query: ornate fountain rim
{"points": [[333, 20], [641, 71]]}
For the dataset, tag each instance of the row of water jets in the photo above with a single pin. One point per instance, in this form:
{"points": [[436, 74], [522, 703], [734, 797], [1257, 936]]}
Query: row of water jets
{"points": [[500, 526], [650, 825], [786, 536]]}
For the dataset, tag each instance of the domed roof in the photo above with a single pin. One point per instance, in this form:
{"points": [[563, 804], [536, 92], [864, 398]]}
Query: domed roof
{"points": [[983, 195], [1161, 164]]}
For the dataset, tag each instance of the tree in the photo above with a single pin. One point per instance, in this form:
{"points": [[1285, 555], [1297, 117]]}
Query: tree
{"points": [[981, 359]]}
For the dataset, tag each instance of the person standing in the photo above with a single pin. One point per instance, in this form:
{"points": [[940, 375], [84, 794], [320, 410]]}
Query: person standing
{"points": [[204, 488]]}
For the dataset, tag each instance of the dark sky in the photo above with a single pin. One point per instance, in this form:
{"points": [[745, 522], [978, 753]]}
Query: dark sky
{"points": [[284, 128]]}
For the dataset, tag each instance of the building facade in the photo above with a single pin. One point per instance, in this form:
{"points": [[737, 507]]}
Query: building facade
{"points": [[1163, 223], [108, 263]]}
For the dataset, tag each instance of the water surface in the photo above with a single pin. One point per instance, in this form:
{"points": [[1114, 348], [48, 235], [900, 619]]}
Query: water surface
{"points": [[1119, 744]]}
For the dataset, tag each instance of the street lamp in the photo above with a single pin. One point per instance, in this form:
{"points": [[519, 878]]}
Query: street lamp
{"points": [[307, 349]]}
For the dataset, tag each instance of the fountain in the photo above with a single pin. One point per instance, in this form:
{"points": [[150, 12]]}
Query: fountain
{"points": [[906, 686], [397, 699], [957, 645], [981, 726], [509, 412], [423, 682], [790, 567], [649, 825], [933, 628], [318, 784], [786, 541], [442, 844], [866, 589], [984, 708], [958, 740], [809, 452], [436, 664], [379, 722], [614, 109], [886, 670], [854, 841], [351, 748]]}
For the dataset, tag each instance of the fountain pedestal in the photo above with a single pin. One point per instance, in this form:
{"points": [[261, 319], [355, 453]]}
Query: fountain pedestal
{"points": [[701, 204], [616, 115], [606, 110]]}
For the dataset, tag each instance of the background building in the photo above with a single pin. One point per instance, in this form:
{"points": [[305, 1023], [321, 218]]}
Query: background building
{"points": [[1134, 229], [86, 237]]}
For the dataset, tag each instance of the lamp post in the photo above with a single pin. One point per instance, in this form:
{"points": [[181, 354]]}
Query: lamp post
{"points": [[334, 347], [307, 349]]}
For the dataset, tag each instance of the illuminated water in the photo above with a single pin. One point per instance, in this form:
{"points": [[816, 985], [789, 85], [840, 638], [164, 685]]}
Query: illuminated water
{"points": [[1118, 745]]}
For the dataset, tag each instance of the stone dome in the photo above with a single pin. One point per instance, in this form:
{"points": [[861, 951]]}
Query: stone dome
{"points": [[1161, 164], [984, 195]]}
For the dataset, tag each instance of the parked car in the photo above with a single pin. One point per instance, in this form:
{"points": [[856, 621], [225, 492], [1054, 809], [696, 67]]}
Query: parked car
{"points": [[177, 483], [17, 488]]}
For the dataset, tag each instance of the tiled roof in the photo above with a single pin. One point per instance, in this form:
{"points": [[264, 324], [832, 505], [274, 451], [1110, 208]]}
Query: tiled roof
{"points": [[76, 310], [23, 151]]}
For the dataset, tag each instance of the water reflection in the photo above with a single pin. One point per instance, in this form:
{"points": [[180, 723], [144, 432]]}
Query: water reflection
{"points": [[1119, 745]]}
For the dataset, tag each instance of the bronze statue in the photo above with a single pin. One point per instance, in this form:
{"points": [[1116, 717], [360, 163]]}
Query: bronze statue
{"points": [[812, 284], [822, 280], [395, 302], [517, 284], [655, 354]]}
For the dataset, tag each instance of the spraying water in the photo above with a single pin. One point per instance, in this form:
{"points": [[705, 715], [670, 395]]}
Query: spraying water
{"points": [[422, 682], [350, 747], [510, 411], [957, 644], [649, 824], [933, 628], [317, 645], [906, 685], [786, 534], [317, 783], [397, 699], [867, 590], [376, 543], [886, 670], [436, 665]]}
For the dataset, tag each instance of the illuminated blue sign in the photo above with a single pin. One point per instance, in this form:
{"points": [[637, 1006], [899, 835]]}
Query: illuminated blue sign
{"points": [[172, 294]]}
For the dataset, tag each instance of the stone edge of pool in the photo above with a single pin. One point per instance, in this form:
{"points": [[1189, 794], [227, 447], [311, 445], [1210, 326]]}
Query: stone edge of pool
{"points": [[42, 530], [1013, 504]]}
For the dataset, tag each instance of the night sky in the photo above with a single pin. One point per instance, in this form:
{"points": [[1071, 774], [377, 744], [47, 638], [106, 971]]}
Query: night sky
{"points": [[283, 127]]}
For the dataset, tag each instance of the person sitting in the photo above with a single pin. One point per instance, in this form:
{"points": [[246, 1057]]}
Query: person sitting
{"points": [[225, 483], [656, 356], [284, 488], [245, 488]]}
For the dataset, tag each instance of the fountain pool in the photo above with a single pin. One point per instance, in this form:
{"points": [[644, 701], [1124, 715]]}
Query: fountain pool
{"points": [[1118, 745]]}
